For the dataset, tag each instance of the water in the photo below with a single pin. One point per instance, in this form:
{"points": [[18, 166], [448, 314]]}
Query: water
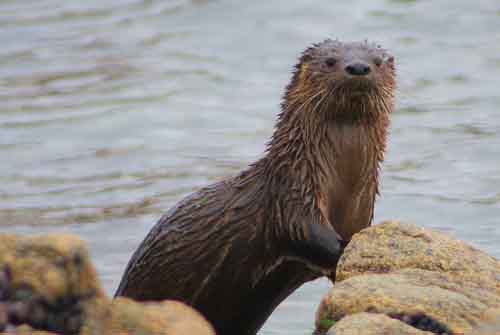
{"points": [[111, 111]]}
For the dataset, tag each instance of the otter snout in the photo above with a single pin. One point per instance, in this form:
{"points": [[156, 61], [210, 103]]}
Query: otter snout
{"points": [[358, 69]]}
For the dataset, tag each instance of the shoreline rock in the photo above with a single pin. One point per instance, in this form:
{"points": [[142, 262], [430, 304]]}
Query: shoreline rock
{"points": [[394, 276], [49, 283]]}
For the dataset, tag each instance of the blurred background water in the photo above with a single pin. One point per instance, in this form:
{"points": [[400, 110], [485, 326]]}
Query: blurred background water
{"points": [[112, 110]]}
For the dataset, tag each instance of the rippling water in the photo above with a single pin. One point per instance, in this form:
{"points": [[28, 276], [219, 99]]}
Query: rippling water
{"points": [[111, 111]]}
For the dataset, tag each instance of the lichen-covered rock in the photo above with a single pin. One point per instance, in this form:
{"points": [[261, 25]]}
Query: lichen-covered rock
{"points": [[372, 324], [393, 246], [49, 283], [45, 281], [424, 299], [414, 276], [126, 317]]}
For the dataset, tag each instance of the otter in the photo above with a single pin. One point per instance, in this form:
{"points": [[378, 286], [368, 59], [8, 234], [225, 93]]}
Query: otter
{"points": [[235, 249]]}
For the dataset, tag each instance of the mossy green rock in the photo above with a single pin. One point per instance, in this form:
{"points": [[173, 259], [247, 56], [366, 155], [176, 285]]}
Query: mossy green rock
{"points": [[416, 277]]}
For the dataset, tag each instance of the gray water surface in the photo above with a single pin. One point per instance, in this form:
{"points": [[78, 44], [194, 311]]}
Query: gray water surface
{"points": [[112, 110]]}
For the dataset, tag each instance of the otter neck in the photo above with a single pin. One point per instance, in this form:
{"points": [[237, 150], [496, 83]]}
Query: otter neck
{"points": [[322, 158]]}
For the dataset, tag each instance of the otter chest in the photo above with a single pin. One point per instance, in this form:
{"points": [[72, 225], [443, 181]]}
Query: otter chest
{"points": [[351, 186]]}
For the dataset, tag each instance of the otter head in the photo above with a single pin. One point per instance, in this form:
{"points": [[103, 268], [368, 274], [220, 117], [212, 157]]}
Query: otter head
{"points": [[350, 81]]}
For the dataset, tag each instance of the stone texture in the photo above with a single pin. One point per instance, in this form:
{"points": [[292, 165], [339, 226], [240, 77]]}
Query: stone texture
{"points": [[418, 277], [26, 330], [49, 283], [126, 317], [393, 246], [490, 324], [372, 324], [45, 281]]}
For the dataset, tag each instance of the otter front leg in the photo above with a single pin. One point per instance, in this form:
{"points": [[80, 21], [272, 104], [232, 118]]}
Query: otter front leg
{"points": [[320, 248]]}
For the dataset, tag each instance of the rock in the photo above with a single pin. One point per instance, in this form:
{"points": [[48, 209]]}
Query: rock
{"points": [[491, 324], [26, 330], [45, 281], [417, 277], [49, 283], [126, 317], [393, 246], [372, 324]]}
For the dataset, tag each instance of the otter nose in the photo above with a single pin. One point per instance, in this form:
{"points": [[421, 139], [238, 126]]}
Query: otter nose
{"points": [[358, 69]]}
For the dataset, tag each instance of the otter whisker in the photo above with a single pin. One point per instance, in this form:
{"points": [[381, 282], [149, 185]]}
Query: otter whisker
{"points": [[306, 103], [321, 100]]}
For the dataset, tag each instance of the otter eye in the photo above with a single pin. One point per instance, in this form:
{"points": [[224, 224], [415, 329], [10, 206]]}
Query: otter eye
{"points": [[377, 61], [330, 62]]}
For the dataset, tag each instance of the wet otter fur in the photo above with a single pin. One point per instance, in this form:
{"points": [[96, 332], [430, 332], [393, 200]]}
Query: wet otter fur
{"points": [[235, 249]]}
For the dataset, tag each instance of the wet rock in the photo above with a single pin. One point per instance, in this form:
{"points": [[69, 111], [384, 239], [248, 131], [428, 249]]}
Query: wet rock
{"points": [[420, 278], [49, 283]]}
